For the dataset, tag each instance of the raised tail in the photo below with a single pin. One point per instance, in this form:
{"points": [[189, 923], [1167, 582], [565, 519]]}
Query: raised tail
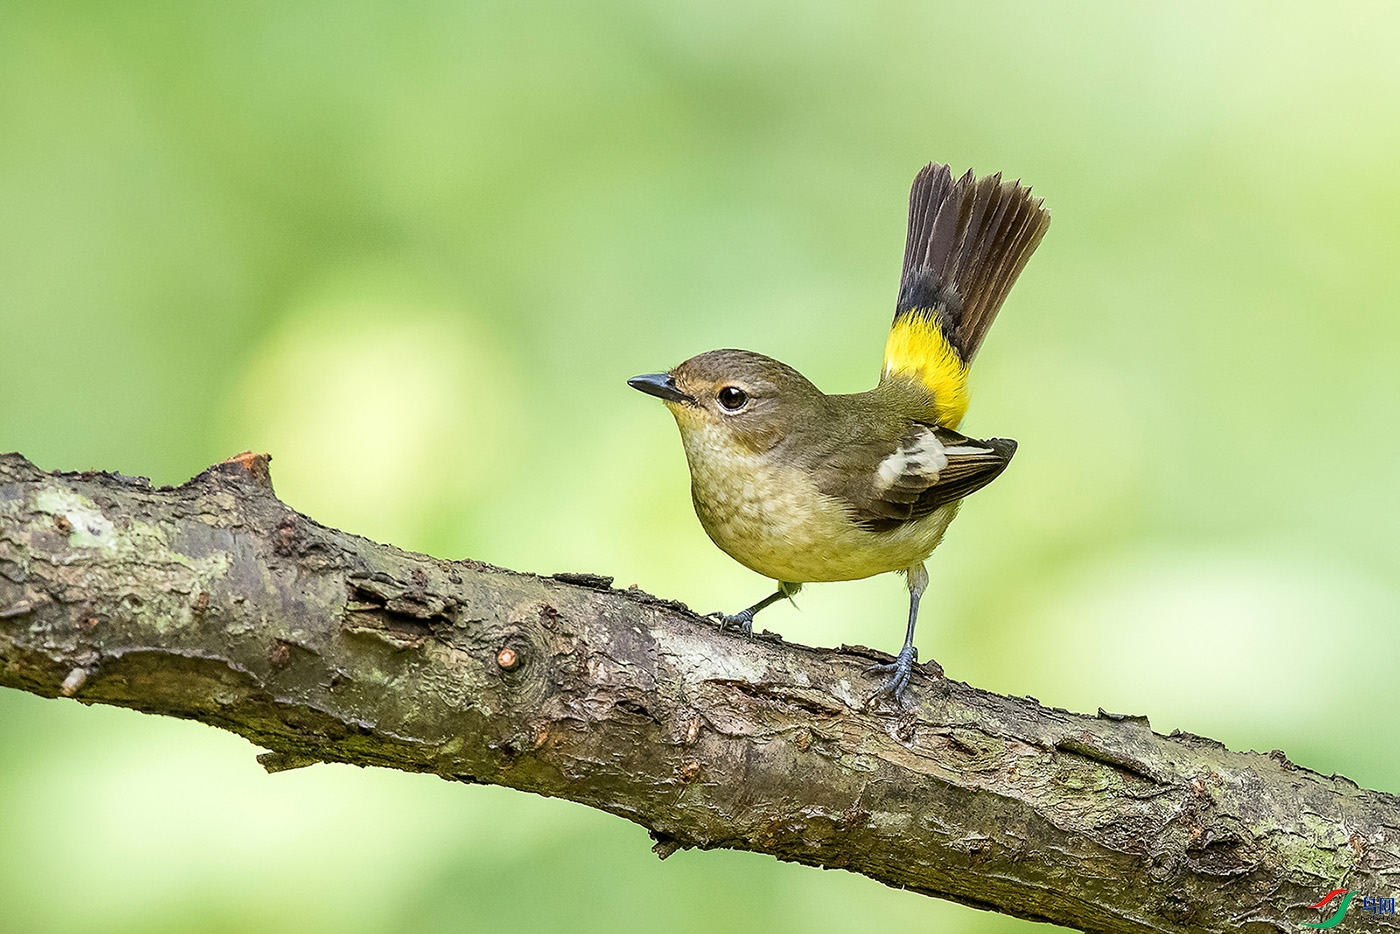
{"points": [[968, 241]]}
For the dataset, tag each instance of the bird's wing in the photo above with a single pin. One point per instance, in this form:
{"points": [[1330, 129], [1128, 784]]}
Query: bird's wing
{"points": [[929, 467]]}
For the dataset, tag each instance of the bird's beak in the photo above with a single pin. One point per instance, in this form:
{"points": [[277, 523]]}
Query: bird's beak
{"points": [[660, 385]]}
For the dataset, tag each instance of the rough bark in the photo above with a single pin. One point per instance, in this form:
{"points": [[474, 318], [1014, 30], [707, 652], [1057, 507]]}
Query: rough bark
{"points": [[214, 601]]}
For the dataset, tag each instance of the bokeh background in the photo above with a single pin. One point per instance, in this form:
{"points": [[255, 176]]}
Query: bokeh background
{"points": [[413, 250]]}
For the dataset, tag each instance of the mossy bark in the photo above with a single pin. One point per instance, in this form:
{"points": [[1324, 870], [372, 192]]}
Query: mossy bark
{"points": [[214, 601]]}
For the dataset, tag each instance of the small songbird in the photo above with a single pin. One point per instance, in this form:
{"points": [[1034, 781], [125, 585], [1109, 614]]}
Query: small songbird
{"points": [[802, 486]]}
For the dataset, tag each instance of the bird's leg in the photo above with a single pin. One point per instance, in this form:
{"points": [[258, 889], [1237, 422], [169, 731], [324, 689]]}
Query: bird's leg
{"points": [[743, 620], [902, 667]]}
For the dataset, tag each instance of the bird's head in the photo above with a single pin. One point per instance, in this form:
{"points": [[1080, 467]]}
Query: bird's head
{"points": [[735, 397]]}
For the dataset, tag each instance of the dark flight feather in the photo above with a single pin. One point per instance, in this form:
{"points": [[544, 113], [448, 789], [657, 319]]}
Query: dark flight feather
{"points": [[929, 467]]}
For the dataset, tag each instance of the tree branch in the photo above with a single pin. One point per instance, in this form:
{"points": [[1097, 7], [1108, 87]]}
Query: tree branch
{"points": [[214, 601]]}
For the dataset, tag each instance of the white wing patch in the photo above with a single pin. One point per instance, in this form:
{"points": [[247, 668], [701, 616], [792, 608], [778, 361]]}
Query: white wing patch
{"points": [[915, 464], [923, 459]]}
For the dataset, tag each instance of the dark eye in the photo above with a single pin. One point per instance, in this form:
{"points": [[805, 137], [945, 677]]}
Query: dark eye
{"points": [[733, 398]]}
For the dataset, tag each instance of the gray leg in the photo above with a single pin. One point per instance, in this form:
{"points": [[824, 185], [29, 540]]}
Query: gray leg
{"points": [[902, 667], [743, 620]]}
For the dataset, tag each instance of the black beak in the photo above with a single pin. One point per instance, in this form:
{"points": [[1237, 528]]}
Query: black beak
{"points": [[660, 385]]}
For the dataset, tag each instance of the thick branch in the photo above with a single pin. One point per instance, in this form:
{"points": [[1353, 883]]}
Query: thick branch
{"points": [[214, 601]]}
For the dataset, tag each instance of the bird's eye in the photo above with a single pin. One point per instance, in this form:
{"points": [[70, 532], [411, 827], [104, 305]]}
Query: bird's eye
{"points": [[733, 398]]}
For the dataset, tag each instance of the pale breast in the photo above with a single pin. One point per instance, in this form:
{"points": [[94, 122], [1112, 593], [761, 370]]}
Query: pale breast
{"points": [[773, 519]]}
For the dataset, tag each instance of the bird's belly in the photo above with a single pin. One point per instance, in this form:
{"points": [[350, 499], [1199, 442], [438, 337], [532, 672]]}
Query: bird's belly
{"points": [[775, 521]]}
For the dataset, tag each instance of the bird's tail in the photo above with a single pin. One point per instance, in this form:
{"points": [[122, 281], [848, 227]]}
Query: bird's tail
{"points": [[968, 241]]}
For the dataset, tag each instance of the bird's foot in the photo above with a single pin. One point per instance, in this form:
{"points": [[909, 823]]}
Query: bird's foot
{"points": [[899, 671], [742, 621]]}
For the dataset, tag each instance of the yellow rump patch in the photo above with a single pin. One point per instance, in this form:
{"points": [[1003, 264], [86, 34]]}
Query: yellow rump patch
{"points": [[916, 347]]}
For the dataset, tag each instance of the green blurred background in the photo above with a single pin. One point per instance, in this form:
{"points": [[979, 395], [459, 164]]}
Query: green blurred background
{"points": [[413, 250]]}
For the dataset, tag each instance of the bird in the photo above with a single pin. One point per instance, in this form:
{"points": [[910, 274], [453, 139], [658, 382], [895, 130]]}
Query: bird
{"points": [[804, 486]]}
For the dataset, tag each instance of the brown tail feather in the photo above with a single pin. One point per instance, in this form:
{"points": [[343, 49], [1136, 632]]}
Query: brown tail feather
{"points": [[968, 241]]}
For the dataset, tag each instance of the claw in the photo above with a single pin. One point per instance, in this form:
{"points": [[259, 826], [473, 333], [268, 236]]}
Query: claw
{"points": [[899, 671], [742, 621]]}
